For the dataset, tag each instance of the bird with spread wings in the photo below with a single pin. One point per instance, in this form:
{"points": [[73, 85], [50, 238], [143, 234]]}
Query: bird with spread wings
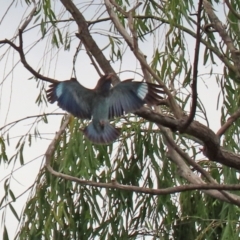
{"points": [[103, 103]]}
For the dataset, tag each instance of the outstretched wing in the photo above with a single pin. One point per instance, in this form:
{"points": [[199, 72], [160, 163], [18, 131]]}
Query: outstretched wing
{"points": [[72, 97], [128, 96]]}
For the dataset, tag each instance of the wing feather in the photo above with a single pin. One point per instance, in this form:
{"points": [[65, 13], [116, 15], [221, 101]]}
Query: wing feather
{"points": [[129, 96], [72, 97]]}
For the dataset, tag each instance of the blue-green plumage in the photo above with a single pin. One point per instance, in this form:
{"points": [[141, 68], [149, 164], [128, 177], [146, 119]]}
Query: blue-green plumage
{"points": [[102, 103]]}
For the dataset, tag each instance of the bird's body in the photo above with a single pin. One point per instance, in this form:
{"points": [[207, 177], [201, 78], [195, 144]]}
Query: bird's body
{"points": [[100, 129], [102, 103]]}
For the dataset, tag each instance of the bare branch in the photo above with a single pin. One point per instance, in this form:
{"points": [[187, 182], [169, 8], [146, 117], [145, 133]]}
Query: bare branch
{"points": [[115, 185], [198, 130], [219, 27], [20, 48], [29, 117], [228, 123], [185, 172], [86, 38], [23, 59], [141, 58], [195, 69], [185, 156], [29, 18]]}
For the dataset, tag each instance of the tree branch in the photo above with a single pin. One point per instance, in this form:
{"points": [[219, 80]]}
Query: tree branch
{"points": [[195, 69], [86, 38], [24, 61], [228, 123], [211, 48], [234, 12], [218, 26], [29, 117], [186, 157], [211, 141], [19, 48], [177, 155], [141, 57], [115, 185]]}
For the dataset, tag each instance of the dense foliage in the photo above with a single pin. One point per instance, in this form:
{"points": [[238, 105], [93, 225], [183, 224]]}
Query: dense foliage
{"points": [[173, 173]]}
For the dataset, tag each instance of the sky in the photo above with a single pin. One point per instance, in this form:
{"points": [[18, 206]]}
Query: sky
{"points": [[18, 94]]}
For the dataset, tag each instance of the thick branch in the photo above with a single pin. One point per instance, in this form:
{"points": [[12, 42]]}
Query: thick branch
{"points": [[211, 48], [134, 47], [219, 27], [211, 141], [141, 57], [87, 39], [185, 156], [115, 185], [178, 156]]}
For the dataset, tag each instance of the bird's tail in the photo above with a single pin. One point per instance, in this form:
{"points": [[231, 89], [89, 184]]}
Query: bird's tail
{"points": [[105, 135]]}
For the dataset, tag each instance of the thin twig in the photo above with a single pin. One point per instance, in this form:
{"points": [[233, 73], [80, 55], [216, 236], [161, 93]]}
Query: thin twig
{"points": [[228, 123], [133, 30], [20, 195], [138, 4], [29, 18], [118, 8], [237, 15], [141, 58], [19, 49], [34, 116], [88, 40], [25, 63], [195, 69], [94, 62], [130, 18], [75, 57], [115, 185], [211, 48], [52, 146]]}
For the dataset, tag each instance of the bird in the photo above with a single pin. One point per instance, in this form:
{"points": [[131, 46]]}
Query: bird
{"points": [[103, 103]]}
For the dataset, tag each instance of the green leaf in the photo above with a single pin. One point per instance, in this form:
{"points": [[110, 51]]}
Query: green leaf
{"points": [[14, 212], [5, 234]]}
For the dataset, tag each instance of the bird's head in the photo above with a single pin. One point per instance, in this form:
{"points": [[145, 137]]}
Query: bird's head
{"points": [[104, 83]]}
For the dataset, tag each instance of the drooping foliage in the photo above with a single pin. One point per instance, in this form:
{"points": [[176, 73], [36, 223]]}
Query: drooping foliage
{"points": [[116, 189]]}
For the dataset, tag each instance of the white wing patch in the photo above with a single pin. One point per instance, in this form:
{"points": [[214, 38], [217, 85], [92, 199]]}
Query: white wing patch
{"points": [[59, 90], [142, 91]]}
